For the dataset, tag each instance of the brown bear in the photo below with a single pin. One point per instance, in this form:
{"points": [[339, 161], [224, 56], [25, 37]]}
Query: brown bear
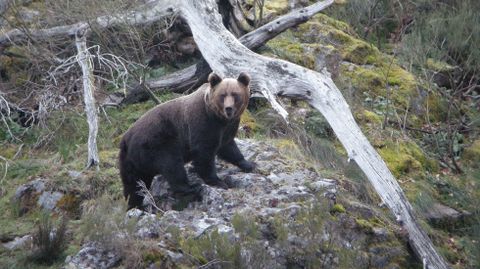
{"points": [[196, 128]]}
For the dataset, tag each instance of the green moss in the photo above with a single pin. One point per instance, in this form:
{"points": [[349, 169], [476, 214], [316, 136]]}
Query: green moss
{"points": [[153, 256], [360, 52], [365, 79], [108, 156], [369, 71], [438, 66], [70, 204], [276, 7], [8, 151], [406, 158], [338, 208], [248, 125], [369, 116], [286, 145], [373, 80], [288, 48], [398, 76], [364, 224]]}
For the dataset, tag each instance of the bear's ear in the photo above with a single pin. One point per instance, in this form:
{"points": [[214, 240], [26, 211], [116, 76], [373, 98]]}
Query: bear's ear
{"points": [[214, 79], [244, 78]]}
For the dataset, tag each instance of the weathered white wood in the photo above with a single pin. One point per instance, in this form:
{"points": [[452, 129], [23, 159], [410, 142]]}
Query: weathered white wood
{"points": [[228, 57], [85, 62], [195, 75]]}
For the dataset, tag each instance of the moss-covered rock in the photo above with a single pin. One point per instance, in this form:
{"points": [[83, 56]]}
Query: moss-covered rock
{"points": [[367, 70], [287, 48], [369, 117]]}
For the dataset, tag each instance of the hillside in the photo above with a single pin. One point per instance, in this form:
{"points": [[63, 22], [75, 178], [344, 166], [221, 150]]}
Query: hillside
{"points": [[305, 206]]}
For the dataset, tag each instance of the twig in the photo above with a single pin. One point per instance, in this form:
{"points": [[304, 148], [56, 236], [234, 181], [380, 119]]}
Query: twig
{"points": [[6, 169], [148, 197], [212, 262]]}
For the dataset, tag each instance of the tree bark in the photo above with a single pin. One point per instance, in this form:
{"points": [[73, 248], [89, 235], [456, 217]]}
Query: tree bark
{"points": [[195, 75], [228, 57], [85, 62]]}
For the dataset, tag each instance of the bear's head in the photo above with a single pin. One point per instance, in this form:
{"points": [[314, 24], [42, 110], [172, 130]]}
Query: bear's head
{"points": [[228, 97]]}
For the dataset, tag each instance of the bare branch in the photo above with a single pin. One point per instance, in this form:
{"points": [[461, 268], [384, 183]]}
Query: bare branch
{"points": [[145, 14], [193, 76], [148, 197]]}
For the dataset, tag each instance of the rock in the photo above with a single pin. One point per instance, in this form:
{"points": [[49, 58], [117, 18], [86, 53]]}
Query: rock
{"points": [[381, 234], [28, 15], [74, 174], [327, 186], [113, 99], [289, 193], [442, 215], [35, 186], [19, 242], [242, 180], [48, 200], [147, 226], [273, 193], [92, 256], [33, 193], [26, 195], [385, 256]]}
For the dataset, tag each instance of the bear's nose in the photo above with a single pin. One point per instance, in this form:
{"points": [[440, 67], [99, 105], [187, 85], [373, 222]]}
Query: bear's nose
{"points": [[229, 111]]}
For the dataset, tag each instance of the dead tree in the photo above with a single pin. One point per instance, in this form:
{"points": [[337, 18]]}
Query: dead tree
{"points": [[195, 75], [273, 78], [85, 62]]}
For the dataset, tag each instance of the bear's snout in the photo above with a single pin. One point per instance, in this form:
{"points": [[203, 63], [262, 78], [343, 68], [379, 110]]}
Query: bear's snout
{"points": [[229, 105], [229, 111]]}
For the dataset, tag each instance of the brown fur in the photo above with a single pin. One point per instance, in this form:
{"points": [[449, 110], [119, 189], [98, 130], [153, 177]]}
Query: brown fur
{"points": [[194, 128]]}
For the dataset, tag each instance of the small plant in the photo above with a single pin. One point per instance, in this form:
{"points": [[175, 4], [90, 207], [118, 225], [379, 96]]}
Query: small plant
{"points": [[49, 241], [245, 226], [338, 208], [213, 248]]}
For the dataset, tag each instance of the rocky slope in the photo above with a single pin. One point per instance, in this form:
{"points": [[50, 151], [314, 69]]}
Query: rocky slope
{"points": [[285, 215]]}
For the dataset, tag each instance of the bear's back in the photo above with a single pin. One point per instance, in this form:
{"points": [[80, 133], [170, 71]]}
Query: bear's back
{"points": [[167, 120]]}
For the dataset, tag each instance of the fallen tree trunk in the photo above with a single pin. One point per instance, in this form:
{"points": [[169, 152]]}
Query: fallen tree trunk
{"points": [[228, 57], [195, 75]]}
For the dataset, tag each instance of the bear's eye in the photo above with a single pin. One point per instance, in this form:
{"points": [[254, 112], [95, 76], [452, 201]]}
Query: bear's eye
{"points": [[236, 97], [222, 97]]}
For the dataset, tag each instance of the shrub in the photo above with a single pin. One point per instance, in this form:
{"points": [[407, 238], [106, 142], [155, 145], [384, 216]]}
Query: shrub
{"points": [[49, 241]]}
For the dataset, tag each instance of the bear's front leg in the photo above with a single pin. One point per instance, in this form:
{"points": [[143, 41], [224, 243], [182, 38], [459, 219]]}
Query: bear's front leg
{"points": [[230, 153], [204, 166]]}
